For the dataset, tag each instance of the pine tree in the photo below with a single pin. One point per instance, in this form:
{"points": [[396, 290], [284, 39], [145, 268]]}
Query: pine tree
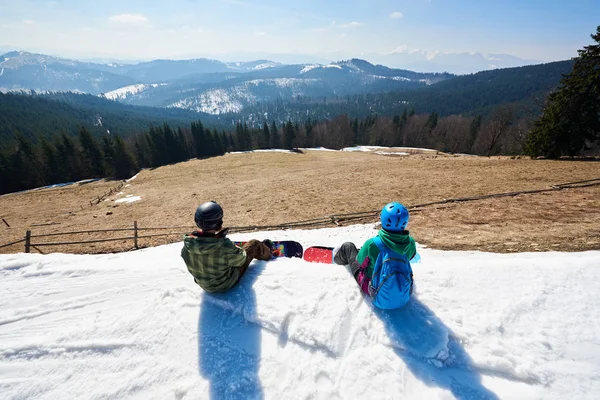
{"points": [[266, 137], [404, 117], [473, 132], [308, 126], [155, 143], [70, 158], [571, 117], [108, 149], [432, 121], [289, 136], [210, 143], [219, 143], [124, 163], [34, 167], [91, 154], [275, 144], [50, 161], [198, 138], [5, 177]]}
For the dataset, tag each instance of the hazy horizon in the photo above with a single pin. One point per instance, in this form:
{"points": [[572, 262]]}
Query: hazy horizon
{"points": [[141, 30]]}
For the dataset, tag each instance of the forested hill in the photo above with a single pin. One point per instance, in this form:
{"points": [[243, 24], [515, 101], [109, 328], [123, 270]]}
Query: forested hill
{"points": [[478, 93], [467, 95], [47, 114]]}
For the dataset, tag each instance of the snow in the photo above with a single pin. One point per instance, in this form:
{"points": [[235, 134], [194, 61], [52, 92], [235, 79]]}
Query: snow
{"points": [[394, 78], [125, 91], [216, 101], [264, 65], [313, 66], [400, 153], [232, 100], [132, 178], [382, 149], [263, 151], [309, 68], [281, 82], [319, 149], [128, 199], [135, 325]]}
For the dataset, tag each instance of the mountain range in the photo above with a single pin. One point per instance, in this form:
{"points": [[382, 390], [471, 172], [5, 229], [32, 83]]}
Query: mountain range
{"points": [[259, 92], [204, 85], [402, 57]]}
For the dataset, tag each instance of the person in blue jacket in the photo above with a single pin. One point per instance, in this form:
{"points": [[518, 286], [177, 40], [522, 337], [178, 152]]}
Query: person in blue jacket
{"points": [[394, 219]]}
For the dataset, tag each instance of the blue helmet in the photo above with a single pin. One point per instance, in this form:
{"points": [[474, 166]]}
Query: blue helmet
{"points": [[394, 217]]}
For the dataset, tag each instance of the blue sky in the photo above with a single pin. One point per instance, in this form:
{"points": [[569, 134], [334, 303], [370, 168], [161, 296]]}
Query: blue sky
{"points": [[537, 30]]}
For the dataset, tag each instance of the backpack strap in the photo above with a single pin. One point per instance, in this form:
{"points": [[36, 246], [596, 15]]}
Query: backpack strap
{"points": [[377, 240], [379, 243]]}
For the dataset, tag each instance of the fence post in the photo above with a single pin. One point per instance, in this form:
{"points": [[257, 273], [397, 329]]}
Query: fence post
{"points": [[27, 241], [135, 234]]}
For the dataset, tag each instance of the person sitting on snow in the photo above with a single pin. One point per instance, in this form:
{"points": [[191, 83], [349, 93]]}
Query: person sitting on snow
{"points": [[381, 267], [213, 260]]}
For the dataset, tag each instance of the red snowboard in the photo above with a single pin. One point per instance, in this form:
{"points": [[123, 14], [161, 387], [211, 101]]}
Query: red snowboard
{"points": [[319, 254]]}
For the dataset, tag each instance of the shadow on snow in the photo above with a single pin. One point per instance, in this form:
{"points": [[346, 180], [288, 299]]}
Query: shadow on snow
{"points": [[431, 351], [229, 344]]}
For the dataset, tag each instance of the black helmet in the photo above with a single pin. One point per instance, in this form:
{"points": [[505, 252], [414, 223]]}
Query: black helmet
{"points": [[209, 216]]}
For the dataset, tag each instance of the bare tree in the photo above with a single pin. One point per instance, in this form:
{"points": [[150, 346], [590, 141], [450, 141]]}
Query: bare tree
{"points": [[451, 134], [494, 130], [415, 132], [382, 133]]}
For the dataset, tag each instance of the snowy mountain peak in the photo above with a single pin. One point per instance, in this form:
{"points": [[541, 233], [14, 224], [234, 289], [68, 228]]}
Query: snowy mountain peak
{"points": [[244, 66]]}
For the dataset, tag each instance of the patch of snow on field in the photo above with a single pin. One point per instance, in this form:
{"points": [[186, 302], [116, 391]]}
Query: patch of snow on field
{"points": [[128, 199], [319, 149], [133, 177], [371, 148], [391, 153], [263, 151]]}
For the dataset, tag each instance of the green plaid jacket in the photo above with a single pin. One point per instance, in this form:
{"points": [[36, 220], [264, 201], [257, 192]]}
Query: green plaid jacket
{"points": [[214, 262]]}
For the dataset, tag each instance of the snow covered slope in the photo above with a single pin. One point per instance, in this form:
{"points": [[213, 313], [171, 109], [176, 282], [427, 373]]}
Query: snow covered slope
{"points": [[124, 92], [135, 325]]}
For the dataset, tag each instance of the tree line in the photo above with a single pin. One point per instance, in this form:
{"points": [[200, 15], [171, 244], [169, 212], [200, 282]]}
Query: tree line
{"points": [[63, 158]]}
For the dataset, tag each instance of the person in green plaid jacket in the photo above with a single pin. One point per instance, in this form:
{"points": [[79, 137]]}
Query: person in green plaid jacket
{"points": [[213, 260]]}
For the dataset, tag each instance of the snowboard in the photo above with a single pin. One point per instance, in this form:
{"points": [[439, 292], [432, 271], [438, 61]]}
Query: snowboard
{"points": [[322, 254], [282, 248], [319, 254]]}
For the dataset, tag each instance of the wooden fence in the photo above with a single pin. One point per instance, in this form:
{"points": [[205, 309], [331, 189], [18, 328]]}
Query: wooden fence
{"points": [[32, 241]]}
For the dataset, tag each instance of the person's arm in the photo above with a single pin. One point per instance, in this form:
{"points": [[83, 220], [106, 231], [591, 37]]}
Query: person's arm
{"points": [[367, 255], [236, 256]]}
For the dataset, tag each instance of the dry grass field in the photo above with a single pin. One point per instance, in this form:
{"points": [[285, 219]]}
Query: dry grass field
{"points": [[270, 188]]}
